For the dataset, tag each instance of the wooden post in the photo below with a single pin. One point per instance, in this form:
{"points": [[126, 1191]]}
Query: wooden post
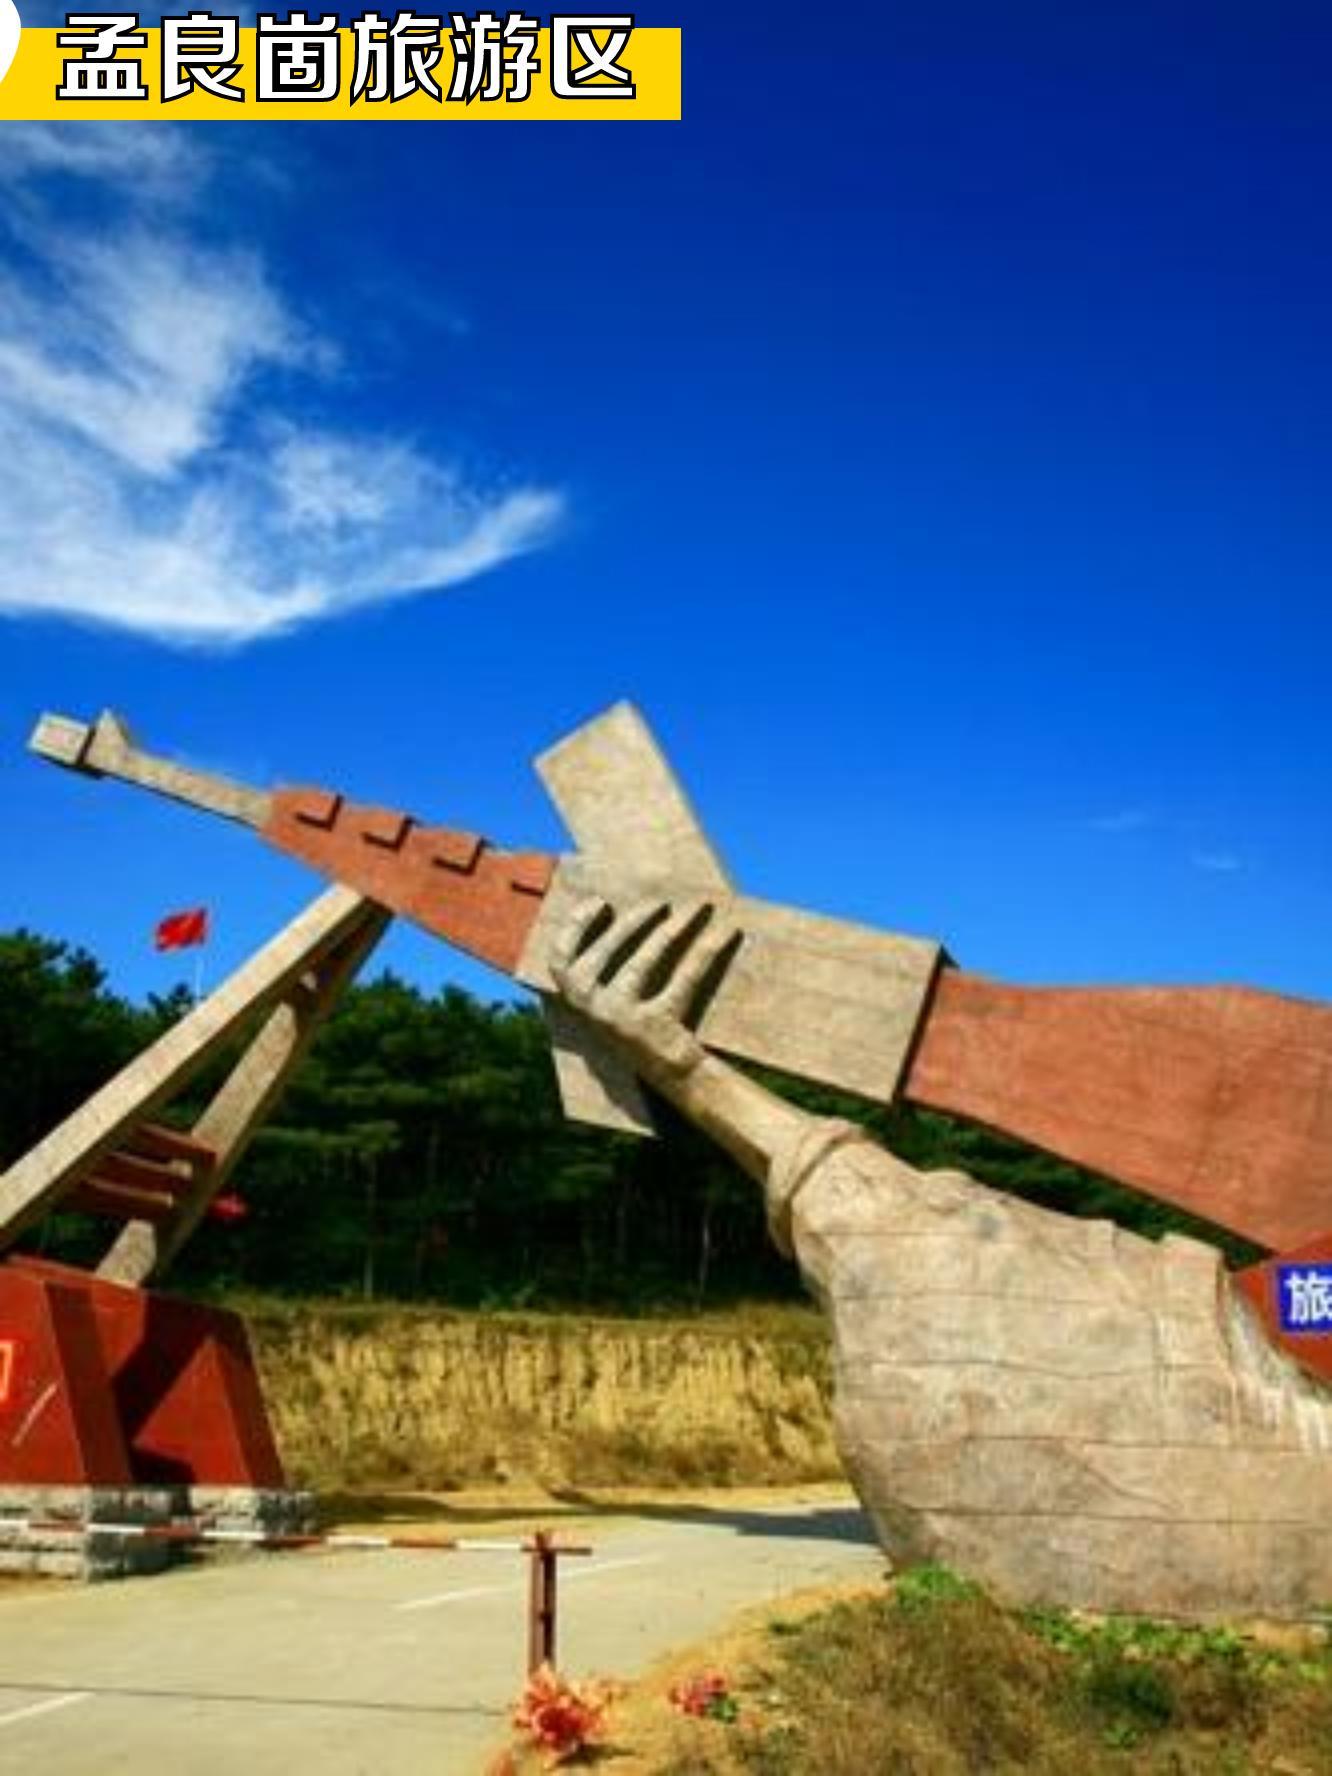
{"points": [[541, 1606]]}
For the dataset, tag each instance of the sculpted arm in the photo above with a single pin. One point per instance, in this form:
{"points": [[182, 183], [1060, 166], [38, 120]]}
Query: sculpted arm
{"points": [[1074, 1413], [639, 975]]}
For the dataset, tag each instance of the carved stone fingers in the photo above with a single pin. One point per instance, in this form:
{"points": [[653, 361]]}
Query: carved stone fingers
{"points": [[639, 973]]}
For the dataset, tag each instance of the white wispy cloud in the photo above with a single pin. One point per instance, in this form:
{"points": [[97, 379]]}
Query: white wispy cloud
{"points": [[1219, 863], [160, 159], [152, 475], [1213, 861], [137, 345]]}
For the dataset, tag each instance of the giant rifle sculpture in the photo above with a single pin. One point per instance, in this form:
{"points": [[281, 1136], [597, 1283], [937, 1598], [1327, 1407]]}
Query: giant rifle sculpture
{"points": [[1215, 1100]]}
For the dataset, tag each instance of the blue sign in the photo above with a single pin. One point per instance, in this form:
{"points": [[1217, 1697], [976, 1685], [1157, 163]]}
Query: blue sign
{"points": [[1305, 1294]]}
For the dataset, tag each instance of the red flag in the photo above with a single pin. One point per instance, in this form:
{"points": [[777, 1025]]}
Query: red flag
{"points": [[181, 931]]}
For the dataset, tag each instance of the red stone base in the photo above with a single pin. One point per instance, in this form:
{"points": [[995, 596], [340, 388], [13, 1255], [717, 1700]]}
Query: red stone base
{"points": [[102, 1385]]}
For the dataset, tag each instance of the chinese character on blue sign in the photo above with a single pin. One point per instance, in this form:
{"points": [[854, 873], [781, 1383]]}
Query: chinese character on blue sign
{"points": [[1305, 1291]]}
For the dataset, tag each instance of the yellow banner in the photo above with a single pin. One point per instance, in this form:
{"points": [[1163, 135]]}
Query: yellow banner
{"points": [[395, 66]]}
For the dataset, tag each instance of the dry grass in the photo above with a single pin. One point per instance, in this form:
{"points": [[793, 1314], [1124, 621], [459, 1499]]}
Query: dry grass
{"points": [[934, 1679], [409, 1398]]}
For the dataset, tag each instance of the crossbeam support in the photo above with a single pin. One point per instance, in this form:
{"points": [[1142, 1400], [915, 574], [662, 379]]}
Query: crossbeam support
{"points": [[325, 944], [145, 1248]]}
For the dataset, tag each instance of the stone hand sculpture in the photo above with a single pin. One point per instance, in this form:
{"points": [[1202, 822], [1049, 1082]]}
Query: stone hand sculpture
{"points": [[1067, 1411]]}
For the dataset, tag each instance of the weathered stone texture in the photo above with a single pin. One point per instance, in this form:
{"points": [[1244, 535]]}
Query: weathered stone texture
{"points": [[42, 1531], [251, 1510], [1072, 1413]]}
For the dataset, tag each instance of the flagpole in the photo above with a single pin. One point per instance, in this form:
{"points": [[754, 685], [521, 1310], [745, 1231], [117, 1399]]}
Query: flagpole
{"points": [[198, 974]]}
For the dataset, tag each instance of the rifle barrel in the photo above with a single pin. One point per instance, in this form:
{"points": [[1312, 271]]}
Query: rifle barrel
{"points": [[105, 748]]}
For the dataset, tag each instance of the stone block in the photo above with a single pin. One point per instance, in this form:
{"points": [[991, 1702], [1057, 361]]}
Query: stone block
{"points": [[264, 1511], [43, 1531]]}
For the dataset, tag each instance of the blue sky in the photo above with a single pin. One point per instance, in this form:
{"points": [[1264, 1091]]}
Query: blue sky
{"points": [[929, 433]]}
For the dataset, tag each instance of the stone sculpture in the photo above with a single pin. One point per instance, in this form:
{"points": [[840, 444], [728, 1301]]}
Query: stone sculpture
{"points": [[1072, 1413], [1217, 1100]]}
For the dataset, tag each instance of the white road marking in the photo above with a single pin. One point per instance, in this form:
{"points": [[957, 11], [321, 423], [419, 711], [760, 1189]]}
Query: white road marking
{"points": [[605, 1566], [420, 1603], [566, 1574], [35, 1708]]}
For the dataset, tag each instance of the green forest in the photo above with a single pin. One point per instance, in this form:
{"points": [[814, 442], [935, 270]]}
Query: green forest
{"points": [[421, 1155]]}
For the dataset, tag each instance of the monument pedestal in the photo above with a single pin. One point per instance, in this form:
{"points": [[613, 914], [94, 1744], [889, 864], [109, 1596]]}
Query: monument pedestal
{"points": [[106, 1386], [43, 1531], [121, 1406]]}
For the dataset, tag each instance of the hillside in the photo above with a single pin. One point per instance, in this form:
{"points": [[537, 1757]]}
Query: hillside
{"points": [[400, 1396]]}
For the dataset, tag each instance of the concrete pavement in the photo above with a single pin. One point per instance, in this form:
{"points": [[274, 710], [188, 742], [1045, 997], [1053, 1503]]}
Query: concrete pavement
{"points": [[394, 1664]]}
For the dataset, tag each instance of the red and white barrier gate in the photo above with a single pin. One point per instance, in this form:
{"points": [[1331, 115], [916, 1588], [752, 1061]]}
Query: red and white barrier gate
{"points": [[544, 1552]]}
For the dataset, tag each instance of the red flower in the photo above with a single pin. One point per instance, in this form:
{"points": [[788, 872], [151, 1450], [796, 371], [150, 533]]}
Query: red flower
{"points": [[560, 1718], [705, 1696]]}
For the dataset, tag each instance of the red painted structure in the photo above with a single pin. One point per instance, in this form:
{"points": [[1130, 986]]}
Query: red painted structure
{"points": [[453, 883], [114, 1386]]}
